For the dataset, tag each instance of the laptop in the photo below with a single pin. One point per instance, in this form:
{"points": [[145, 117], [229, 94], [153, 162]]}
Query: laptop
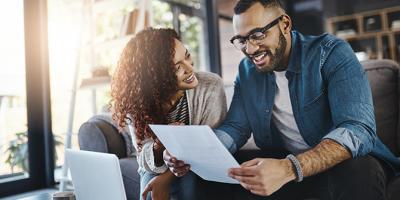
{"points": [[95, 176]]}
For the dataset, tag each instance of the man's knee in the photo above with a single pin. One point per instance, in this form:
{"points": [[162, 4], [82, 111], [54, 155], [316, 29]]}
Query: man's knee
{"points": [[364, 169], [361, 177]]}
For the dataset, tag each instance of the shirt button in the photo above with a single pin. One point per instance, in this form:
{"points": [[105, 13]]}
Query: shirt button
{"points": [[267, 111]]}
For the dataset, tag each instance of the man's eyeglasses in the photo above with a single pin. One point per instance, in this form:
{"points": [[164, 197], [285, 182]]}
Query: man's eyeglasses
{"points": [[255, 36]]}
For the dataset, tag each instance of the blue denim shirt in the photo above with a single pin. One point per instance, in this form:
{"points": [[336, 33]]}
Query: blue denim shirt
{"points": [[330, 96]]}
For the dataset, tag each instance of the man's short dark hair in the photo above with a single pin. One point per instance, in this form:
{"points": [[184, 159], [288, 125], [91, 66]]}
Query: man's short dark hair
{"points": [[243, 5]]}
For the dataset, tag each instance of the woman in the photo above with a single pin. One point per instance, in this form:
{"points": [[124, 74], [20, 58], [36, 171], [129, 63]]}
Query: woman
{"points": [[155, 83]]}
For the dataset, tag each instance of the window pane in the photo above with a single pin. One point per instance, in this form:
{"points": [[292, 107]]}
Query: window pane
{"points": [[192, 34], [191, 3], [162, 14], [13, 121]]}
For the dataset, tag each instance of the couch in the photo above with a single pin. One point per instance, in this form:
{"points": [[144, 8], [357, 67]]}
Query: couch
{"points": [[101, 135], [384, 78]]}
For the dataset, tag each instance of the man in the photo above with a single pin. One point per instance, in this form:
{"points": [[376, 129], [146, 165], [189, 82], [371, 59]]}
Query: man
{"points": [[307, 95]]}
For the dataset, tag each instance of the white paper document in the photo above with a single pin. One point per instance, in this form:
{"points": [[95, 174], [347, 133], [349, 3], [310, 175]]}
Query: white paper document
{"points": [[198, 146]]}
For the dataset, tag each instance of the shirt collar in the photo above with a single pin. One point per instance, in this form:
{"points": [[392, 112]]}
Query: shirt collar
{"points": [[295, 51]]}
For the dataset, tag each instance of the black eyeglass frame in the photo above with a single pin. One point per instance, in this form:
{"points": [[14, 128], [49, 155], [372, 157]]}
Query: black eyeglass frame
{"points": [[262, 30]]}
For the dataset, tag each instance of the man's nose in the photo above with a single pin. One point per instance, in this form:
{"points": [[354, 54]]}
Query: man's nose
{"points": [[251, 48]]}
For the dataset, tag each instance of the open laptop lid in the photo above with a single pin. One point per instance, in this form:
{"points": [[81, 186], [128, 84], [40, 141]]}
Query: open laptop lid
{"points": [[95, 176]]}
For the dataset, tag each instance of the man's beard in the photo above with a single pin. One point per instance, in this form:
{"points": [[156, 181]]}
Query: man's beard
{"points": [[275, 59]]}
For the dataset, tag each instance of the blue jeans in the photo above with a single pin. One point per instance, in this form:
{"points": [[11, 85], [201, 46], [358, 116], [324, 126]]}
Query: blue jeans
{"points": [[181, 188]]}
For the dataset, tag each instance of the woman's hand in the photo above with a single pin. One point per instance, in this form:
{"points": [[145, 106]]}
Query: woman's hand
{"points": [[159, 186], [177, 167]]}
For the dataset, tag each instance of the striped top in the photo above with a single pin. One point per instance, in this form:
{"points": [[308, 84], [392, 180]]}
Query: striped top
{"points": [[180, 113]]}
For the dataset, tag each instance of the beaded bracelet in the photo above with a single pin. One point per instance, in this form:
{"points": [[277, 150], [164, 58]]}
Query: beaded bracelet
{"points": [[296, 164]]}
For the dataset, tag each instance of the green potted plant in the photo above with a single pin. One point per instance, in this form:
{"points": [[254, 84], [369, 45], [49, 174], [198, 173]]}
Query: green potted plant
{"points": [[17, 151]]}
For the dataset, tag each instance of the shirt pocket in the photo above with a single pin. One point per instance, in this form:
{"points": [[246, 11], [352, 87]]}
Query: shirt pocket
{"points": [[316, 101]]}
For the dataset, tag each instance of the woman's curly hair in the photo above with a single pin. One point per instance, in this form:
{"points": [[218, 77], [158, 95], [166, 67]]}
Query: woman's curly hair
{"points": [[143, 80]]}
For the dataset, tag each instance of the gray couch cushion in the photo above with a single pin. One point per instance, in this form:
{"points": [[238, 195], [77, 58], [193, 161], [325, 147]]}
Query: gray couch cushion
{"points": [[131, 178], [99, 135], [383, 76]]}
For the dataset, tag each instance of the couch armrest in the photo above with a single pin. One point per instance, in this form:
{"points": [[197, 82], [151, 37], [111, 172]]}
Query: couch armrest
{"points": [[101, 136]]}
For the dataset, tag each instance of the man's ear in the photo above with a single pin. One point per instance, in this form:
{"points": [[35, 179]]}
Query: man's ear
{"points": [[287, 24]]}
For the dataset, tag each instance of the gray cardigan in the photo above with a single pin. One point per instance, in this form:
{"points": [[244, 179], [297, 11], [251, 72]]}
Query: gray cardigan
{"points": [[207, 106]]}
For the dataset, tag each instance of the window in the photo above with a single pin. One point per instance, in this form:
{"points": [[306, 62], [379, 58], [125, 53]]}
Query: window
{"points": [[25, 126], [162, 14], [192, 32], [14, 163]]}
